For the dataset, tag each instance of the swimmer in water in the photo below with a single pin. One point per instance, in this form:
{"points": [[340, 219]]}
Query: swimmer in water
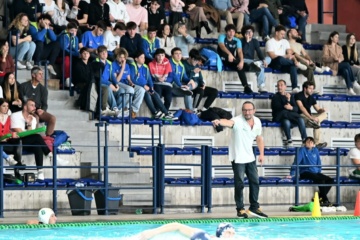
{"points": [[45, 216]]}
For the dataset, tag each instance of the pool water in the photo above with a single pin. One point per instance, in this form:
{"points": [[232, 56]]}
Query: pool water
{"points": [[309, 229]]}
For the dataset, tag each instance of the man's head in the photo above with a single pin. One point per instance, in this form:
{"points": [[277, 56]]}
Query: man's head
{"points": [[84, 53], [37, 74], [139, 57], [308, 88], [248, 30], [131, 29], [194, 57], [281, 86], [309, 142], [72, 28], [47, 216], [225, 230], [121, 55], [248, 110], [44, 20], [357, 140], [102, 2], [159, 55], [292, 34], [176, 54], [178, 27], [102, 52], [230, 31], [151, 32], [280, 31], [120, 29], [30, 106], [100, 28]]}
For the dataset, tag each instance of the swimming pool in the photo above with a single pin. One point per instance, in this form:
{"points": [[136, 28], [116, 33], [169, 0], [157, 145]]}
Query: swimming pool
{"points": [[272, 228]]}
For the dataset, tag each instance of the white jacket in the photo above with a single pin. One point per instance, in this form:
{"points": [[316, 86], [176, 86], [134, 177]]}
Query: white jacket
{"points": [[118, 11], [59, 17]]}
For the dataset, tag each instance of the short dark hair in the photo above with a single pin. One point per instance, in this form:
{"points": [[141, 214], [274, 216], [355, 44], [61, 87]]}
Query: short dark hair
{"points": [[230, 27], [248, 102], [281, 80], [138, 54], [45, 16], [152, 29], [246, 28], [101, 24], [307, 84], [159, 51], [84, 49], [195, 54], [309, 138], [120, 26], [279, 28], [101, 49], [357, 137], [174, 50], [131, 26], [288, 32], [71, 25]]}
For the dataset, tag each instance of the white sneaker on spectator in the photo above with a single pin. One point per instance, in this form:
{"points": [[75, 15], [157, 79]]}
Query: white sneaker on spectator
{"points": [[170, 116], [158, 114], [301, 66], [20, 66], [326, 69], [119, 113], [262, 89], [11, 161], [51, 69], [107, 112], [29, 66], [296, 90], [319, 70], [351, 92], [40, 175], [356, 87]]}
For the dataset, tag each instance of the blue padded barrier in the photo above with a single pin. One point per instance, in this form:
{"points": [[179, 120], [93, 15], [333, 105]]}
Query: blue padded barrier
{"points": [[268, 180], [13, 185], [228, 95], [343, 152], [65, 151], [219, 151], [35, 184], [137, 121], [305, 181], [324, 152], [170, 122], [273, 124], [287, 152], [347, 180], [206, 123], [169, 152], [325, 97], [326, 124], [49, 182], [353, 98], [136, 149], [340, 124], [242, 95], [195, 181], [271, 152], [287, 181], [181, 181], [340, 98], [169, 180], [153, 121], [92, 182], [230, 181], [196, 151], [117, 121], [219, 181], [145, 152], [262, 95], [276, 71], [184, 152], [353, 125], [268, 70], [264, 122]]}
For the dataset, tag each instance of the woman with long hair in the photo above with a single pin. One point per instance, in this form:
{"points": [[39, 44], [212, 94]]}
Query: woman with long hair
{"points": [[334, 59], [25, 46], [6, 61], [351, 55], [62, 15], [10, 89], [167, 41]]}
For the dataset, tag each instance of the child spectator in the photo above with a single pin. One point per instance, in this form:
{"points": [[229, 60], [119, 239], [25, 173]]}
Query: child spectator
{"points": [[156, 15], [131, 41], [354, 156], [112, 38], [93, 39], [62, 13], [150, 44], [138, 14], [118, 12]]}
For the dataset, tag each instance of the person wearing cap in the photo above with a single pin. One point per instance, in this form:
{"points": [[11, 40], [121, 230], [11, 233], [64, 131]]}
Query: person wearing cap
{"points": [[309, 156], [45, 216]]}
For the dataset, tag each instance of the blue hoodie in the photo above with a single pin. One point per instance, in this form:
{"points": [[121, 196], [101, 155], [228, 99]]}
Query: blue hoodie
{"points": [[307, 157], [116, 68], [179, 71], [141, 75], [43, 35], [105, 77], [64, 40], [149, 48]]}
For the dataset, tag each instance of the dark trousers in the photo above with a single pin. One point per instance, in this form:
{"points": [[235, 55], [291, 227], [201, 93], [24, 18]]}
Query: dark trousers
{"points": [[199, 93], [286, 124], [287, 66], [250, 170], [166, 92], [13, 146], [233, 66], [36, 145], [46, 51], [321, 179], [154, 102], [346, 72], [50, 122]]}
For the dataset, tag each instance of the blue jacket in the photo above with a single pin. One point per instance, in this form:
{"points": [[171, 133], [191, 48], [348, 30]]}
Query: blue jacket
{"points": [[64, 40], [116, 68], [91, 41], [149, 48], [179, 72], [43, 35], [105, 77], [141, 75], [307, 157]]}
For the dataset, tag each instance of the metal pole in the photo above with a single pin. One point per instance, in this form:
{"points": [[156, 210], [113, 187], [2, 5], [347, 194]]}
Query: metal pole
{"points": [[130, 117], [208, 174], [122, 124], [335, 11], [106, 172], [63, 61], [162, 177], [297, 175], [203, 179], [338, 176], [54, 179], [1, 184], [72, 38], [320, 11], [98, 125], [155, 178]]}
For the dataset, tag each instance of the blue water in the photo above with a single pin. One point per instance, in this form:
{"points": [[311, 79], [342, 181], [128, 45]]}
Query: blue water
{"points": [[310, 230]]}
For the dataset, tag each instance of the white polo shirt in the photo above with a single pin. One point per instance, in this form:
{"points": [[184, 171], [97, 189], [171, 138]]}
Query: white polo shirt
{"points": [[242, 138], [278, 47], [18, 121], [354, 153]]}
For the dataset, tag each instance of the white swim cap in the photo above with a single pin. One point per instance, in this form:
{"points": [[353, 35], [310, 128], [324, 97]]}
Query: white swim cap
{"points": [[45, 214]]}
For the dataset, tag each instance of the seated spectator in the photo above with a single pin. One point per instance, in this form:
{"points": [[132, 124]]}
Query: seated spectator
{"points": [[354, 156], [156, 15], [305, 101], [309, 155], [112, 38], [260, 13], [140, 74], [121, 75], [48, 6], [98, 11], [31, 8], [251, 45], [182, 38], [47, 48], [176, 11], [285, 110], [166, 39], [11, 93], [62, 13], [138, 15], [150, 44], [351, 55], [35, 90], [197, 18], [230, 51], [282, 60], [131, 41], [242, 7], [118, 12], [333, 58], [7, 64], [193, 71], [93, 39], [82, 8], [26, 47], [276, 9], [25, 120], [226, 10], [45, 216]]}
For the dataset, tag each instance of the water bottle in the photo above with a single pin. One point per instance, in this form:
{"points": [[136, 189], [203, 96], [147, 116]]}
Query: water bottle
{"points": [[138, 211], [79, 184]]}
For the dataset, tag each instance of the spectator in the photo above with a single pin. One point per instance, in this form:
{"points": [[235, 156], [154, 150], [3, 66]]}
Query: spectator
{"points": [[140, 74], [11, 92], [230, 51], [82, 8], [26, 47], [138, 14], [351, 55], [131, 41], [176, 11], [48, 6], [226, 10], [251, 45], [7, 64], [94, 39], [167, 41], [309, 155], [35, 90], [282, 59], [285, 110], [305, 101], [112, 38], [98, 11], [260, 13], [242, 7], [47, 48], [333, 58], [121, 75], [276, 9], [118, 12], [354, 156], [156, 15], [62, 13], [193, 71], [182, 38], [150, 44], [31, 8], [197, 18]]}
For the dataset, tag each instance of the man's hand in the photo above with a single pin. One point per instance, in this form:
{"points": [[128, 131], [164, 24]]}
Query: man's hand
{"points": [[197, 70], [265, 64], [261, 159], [315, 119], [280, 11], [216, 122], [231, 58], [321, 110], [29, 119], [147, 88], [288, 96], [288, 106], [240, 65], [193, 84], [113, 88]]}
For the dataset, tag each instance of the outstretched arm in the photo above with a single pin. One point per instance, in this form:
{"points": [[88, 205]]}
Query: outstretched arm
{"points": [[171, 227], [223, 122]]}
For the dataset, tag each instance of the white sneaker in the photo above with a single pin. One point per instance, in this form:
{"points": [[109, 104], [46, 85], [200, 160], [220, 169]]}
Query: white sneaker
{"points": [[107, 112], [351, 92], [319, 70], [341, 209], [51, 69], [262, 89], [11, 161], [20, 66], [301, 66], [296, 90], [40, 175], [29, 66], [67, 83], [119, 113], [326, 69], [356, 87]]}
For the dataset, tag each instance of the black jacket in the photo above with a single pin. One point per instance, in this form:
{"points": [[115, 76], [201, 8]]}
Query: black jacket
{"points": [[132, 45], [279, 112], [98, 12]]}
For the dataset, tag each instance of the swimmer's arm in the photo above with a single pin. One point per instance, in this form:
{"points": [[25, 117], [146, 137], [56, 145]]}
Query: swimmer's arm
{"points": [[32, 221], [171, 227]]}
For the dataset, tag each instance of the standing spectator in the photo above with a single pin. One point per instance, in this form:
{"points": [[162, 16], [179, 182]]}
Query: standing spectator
{"points": [[309, 155], [7, 64], [118, 12], [26, 47], [112, 38], [251, 45], [226, 10], [285, 110], [131, 41], [94, 39], [354, 156], [230, 51], [305, 101], [35, 90], [150, 44], [176, 8], [11, 92], [98, 11], [351, 55], [167, 41], [47, 48], [182, 38], [197, 18], [333, 58], [245, 128], [31, 8], [138, 14], [193, 71], [156, 15]]}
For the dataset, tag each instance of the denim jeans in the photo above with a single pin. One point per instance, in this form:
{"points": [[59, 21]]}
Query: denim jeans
{"points": [[154, 102], [114, 98], [260, 75], [263, 16], [287, 66], [251, 172], [346, 72], [25, 51], [138, 97], [287, 125], [302, 26], [187, 99]]}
